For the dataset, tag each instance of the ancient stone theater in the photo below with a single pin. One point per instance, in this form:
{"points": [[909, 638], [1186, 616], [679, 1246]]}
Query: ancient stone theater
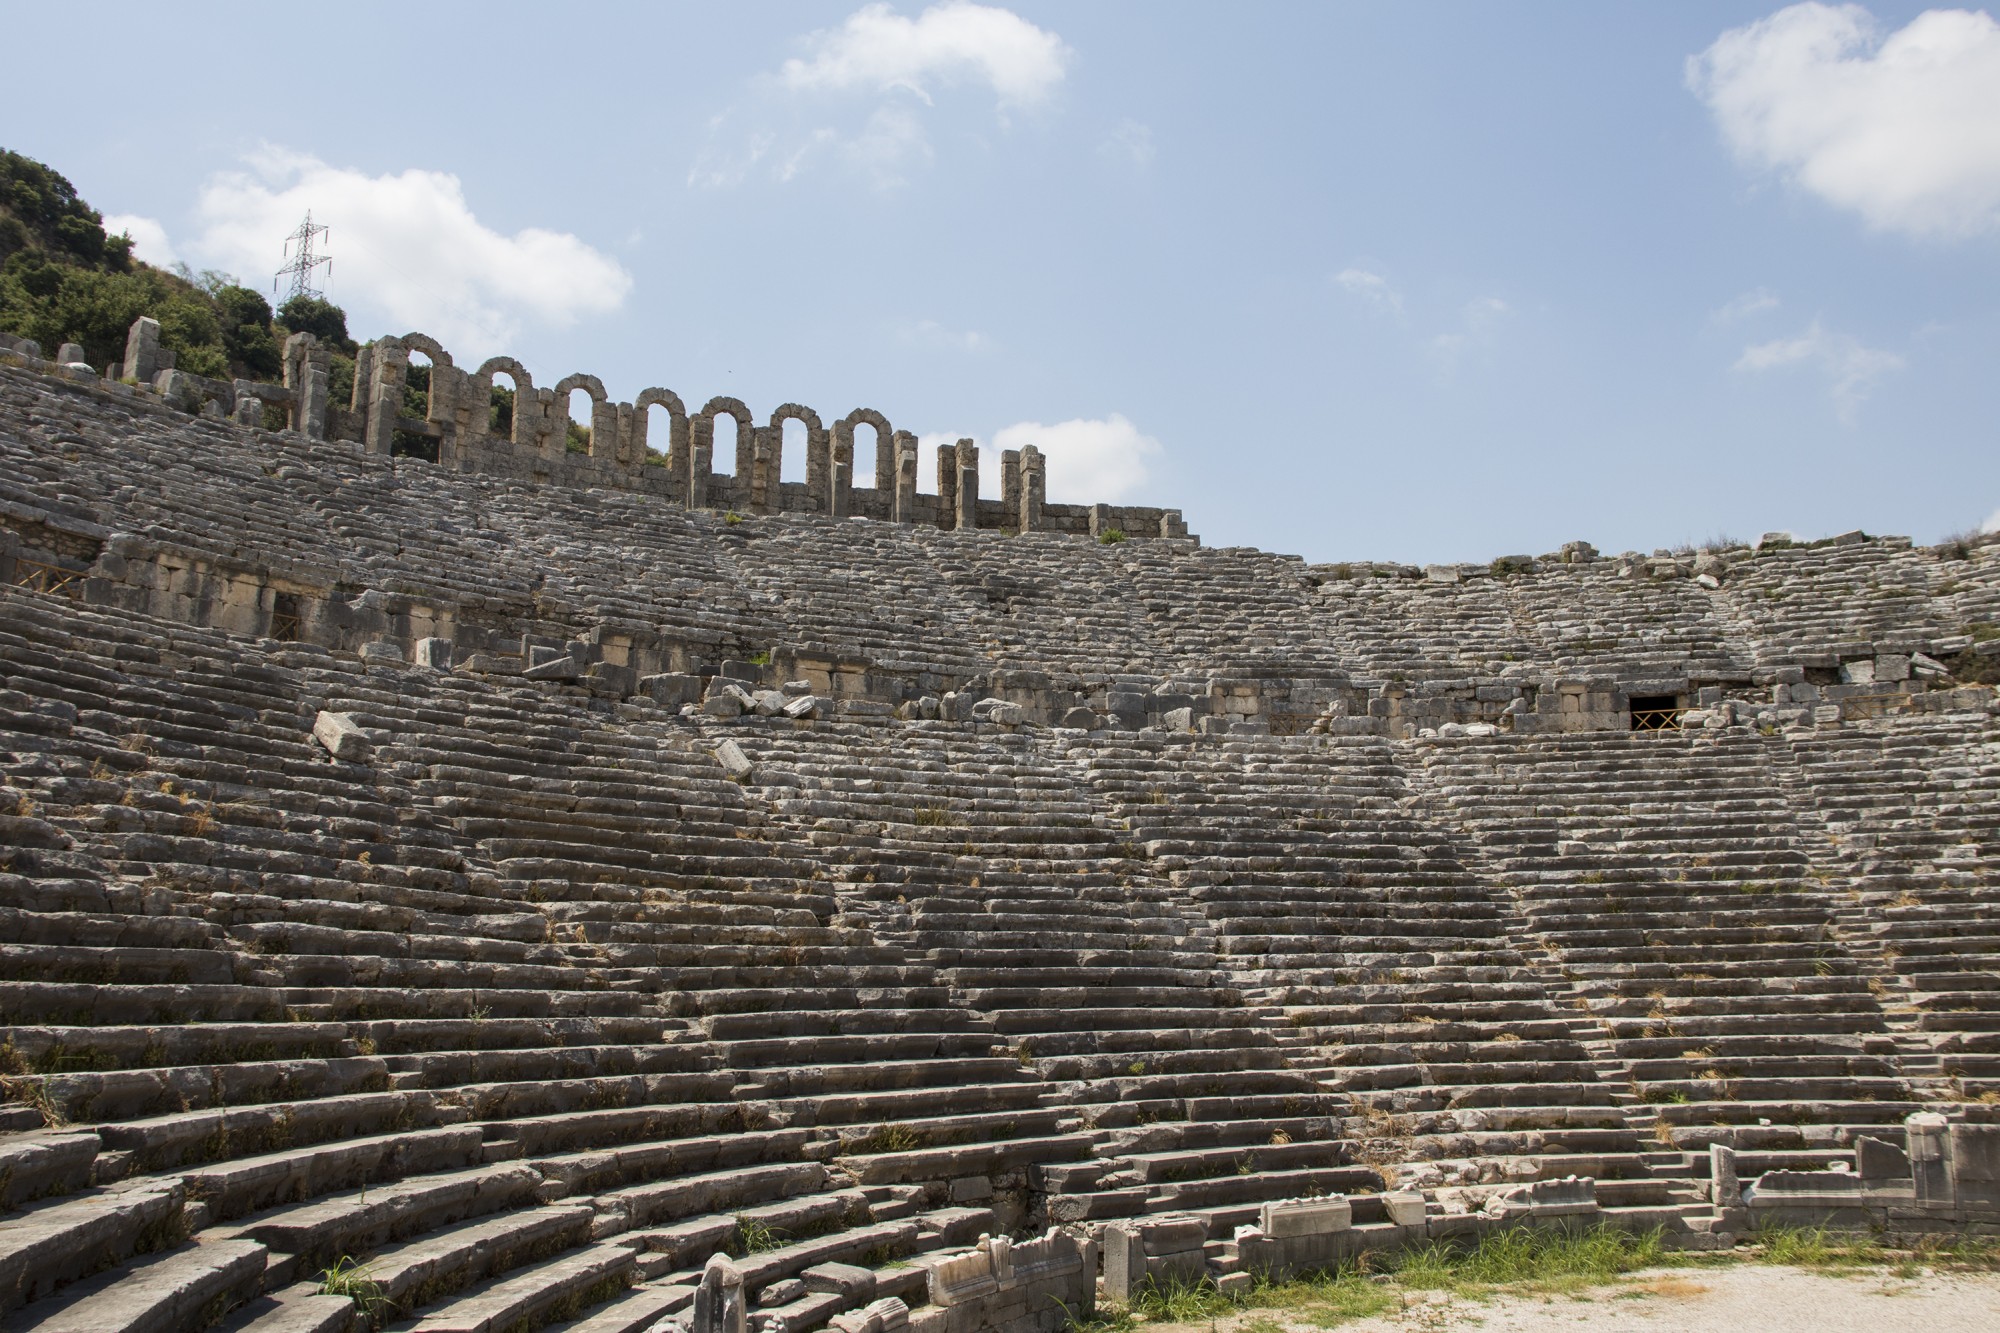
{"points": [[458, 880]]}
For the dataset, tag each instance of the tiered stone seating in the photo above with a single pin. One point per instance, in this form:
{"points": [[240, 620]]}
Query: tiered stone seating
{"points": [[1672, 886], [533, 1009], [990, 859], [1820, 599], [1397, 971], [1910, 810], [510, 1067]]}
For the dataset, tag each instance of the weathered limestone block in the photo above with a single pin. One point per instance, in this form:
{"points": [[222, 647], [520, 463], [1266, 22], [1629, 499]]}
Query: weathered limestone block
{"points": [[1155, 1249], [1305, 1217], [719, 1306], [1405, 1207], [671, 688], [142, 350], [342, 737], [434, 653], [734, 762]]}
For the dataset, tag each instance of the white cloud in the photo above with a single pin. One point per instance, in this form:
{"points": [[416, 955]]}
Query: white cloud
{"points": [[149, 238], [937, 335], [879, 50], [409, 253], [1089, 461], [1750, 303], [1992, 524], [1130, 140], [862, 95], [1903, 130], [1371, 287], [1850, 368]]}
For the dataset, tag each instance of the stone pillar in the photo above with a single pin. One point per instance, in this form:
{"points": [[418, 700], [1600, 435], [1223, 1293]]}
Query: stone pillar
{"points": [[385, 396], [718, 1300], [947, 484], [967, 496], [762, 472], [904, 508], [1725, 1190], [606, 440], [700, 456], [249, 408], [1100, 519], [1034, 487], [839, 502], [142, 350], [364, 377], [746, 456], [819, 465], [1930, 1164], [308, 373], [887, 456], [1010, 483]]}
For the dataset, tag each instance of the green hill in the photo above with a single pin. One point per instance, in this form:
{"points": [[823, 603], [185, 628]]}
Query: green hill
{"points": [[63, 279]]}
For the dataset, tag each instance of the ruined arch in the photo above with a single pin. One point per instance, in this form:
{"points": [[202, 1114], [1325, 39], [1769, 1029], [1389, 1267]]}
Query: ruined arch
{"points": [[603, 416], [524, 393], [885, 444], [703, 428], [423, 342], [590, 384], [816, 456], [677, 430]]}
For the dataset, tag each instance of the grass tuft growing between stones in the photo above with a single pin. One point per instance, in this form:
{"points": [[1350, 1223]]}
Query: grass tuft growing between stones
{"points": [[1518, 1262]]}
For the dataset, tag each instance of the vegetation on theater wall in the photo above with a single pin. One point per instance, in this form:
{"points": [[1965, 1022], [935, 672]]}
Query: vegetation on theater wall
{"points": [[62, 279]]}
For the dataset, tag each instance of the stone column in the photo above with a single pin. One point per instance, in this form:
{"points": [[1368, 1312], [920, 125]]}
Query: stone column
{"points": [[904, 508], [700, 456], [308, 370], [142, 349], [1034, 486], [839, 503], [385, 396], [718, 1300], [819, 465], [364, 378], [1010, 483], [764, 496], [967, 497], [947, 484], [886, 457], [606, 439], [1930, 1165]]}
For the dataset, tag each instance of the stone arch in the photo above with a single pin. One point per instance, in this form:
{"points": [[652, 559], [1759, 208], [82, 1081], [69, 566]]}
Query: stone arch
{"points": [[702, 427], [885, 444], [481, 393], [677, 430], [508, 366], [590, 384], [603, 415], [423, 342], [817, 458]]}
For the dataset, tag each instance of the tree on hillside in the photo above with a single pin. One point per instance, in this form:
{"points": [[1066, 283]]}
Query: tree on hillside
{"points": [[321, 318]]}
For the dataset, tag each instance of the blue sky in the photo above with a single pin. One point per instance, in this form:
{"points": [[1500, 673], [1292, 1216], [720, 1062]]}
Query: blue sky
{"points": [[1411, 281]]}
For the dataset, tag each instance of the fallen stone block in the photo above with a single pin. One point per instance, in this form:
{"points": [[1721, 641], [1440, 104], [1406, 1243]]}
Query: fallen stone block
{"points": [[342, 737], [734, 762]]}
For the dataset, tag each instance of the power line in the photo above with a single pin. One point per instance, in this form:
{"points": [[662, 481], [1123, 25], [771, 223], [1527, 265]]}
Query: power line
{"points": [[302, 261]]}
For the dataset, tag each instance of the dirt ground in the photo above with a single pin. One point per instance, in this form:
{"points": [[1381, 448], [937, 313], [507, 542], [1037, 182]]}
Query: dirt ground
{"points": [[1736, 1299]]}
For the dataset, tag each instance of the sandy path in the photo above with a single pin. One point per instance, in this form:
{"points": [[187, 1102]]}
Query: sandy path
{"points": [[1735, 1299]]}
